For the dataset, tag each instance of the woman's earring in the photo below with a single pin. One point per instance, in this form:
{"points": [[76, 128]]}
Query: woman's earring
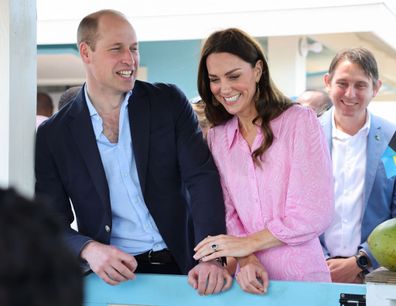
{"points": [[257, 94]]}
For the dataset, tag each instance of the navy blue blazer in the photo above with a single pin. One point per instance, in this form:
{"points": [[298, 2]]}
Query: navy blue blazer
{"points": [[171, 156], [379, 191]]}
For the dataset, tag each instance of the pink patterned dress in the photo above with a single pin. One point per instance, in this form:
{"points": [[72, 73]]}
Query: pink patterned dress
{"points": [[291, 194]]}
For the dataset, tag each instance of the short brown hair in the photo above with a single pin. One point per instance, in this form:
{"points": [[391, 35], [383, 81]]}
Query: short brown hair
{"points": [[360, 56], [88, 28]]}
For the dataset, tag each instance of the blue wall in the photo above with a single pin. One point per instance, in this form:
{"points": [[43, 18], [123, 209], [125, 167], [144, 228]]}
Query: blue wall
{"points": [[172, 62], [166, 61]]}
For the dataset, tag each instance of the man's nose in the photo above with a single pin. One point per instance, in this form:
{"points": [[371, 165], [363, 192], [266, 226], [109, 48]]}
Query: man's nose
{"points": [[350, 91], [128, 57]]}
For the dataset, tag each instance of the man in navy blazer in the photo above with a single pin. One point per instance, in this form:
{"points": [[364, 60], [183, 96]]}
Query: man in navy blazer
{"points": [[365, 196], [130, 158]]}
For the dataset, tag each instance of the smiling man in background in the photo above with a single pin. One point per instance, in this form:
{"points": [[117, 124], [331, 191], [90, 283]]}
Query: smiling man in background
{"points": [[364, 195]]}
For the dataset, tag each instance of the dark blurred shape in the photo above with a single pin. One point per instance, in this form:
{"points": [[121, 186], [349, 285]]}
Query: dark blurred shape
{"points": [[45, 106], [318, 100], [68, 96], [36, 267]]}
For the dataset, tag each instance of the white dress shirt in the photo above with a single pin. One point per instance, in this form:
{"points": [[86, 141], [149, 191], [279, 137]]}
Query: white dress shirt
{"points": [[349, 156]]}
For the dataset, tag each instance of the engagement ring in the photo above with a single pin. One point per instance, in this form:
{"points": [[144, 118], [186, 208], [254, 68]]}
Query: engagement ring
{"points": [[214, 247]]}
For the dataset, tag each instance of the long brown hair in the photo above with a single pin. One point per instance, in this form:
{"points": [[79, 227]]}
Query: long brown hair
{"points": [[269, 101]]}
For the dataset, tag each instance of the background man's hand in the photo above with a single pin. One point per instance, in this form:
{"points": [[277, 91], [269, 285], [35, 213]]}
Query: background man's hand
{"points": [[344, 270]]}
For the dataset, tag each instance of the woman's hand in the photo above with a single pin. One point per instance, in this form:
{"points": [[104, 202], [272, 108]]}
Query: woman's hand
{"points": [[252, 276], [222, 246], [225, 245]]}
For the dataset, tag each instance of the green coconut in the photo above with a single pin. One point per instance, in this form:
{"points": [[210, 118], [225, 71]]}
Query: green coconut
{"points": [[382, 244]]}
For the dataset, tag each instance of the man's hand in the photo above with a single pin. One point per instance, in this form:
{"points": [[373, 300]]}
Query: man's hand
{"points": [[252, 276], [109, 263], [209, 278], [344, 270]]}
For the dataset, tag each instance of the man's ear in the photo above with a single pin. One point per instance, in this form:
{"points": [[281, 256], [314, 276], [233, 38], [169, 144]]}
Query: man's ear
{"points": [[85, 52], [377, 87], [326, 80]]}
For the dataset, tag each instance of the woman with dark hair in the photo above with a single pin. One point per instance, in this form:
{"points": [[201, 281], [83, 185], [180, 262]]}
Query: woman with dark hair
{"points": [[274, 165]]}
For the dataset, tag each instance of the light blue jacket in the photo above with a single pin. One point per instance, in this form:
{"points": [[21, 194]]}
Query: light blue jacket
{"points": [[379, 191]]}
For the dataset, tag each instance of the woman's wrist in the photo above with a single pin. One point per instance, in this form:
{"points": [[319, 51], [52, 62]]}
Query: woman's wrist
{"points": [[254, 242], [246, 259], [263, 240]]}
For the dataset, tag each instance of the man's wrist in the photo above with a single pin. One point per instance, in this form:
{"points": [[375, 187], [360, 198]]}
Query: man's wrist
{"points": [[363, 262], [220, 260], [368, 258], [83, 250]]}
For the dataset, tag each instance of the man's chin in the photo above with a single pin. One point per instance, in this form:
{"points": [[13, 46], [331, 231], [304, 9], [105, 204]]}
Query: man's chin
{"points": [[129, 86]]}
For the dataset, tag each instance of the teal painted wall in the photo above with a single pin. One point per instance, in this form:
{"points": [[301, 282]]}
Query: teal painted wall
{"points": [[166, 61], [172, 62]]}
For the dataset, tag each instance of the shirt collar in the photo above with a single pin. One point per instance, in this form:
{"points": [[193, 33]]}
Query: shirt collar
{"points": [[232, 131], [98, 128], [91, 107]]}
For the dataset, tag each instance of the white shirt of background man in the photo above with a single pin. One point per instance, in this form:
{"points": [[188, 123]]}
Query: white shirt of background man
{"points": [[343, 236]]}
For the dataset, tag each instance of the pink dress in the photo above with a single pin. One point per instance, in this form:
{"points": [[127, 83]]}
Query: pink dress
{"points": [[291, 194]]}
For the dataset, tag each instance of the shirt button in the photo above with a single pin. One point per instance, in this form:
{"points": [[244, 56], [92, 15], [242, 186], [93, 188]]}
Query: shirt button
{"points": [[107, 228]]}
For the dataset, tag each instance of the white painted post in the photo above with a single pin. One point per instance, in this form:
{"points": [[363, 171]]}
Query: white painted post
{"points": [[381, 294], [287, 66], [18, 64]]}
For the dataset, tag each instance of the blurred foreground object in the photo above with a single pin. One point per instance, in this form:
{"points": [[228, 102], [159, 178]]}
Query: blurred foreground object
{"points": [[382, 243]]}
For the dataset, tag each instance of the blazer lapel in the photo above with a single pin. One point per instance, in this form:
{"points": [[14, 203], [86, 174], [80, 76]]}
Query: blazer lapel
{"points": [[375, 147], [139, 121], [82, 132]]}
